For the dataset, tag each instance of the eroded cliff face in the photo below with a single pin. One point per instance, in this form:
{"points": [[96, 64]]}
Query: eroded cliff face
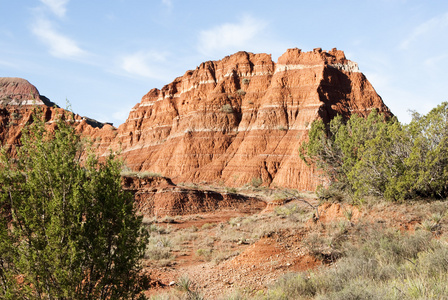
{"points": [[19, 99], [229, 121], [243, 117]]}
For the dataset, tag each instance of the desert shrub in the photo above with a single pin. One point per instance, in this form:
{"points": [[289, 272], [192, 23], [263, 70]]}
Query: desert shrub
{"points": [[256, 181], [205, 254], [67, 228], [227, 108], [16, 116], [158, 250], [246, 80], [241, 92], [231, 190], [381, 157], [186, 286], [207, 226]]}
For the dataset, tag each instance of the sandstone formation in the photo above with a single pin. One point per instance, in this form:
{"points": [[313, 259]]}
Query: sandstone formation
{"points": [[233, 121], [243, 117], [158, 196], [18, 99]]}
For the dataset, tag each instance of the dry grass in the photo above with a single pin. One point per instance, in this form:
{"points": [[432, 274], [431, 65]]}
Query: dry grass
{"points": [[370, 259]]}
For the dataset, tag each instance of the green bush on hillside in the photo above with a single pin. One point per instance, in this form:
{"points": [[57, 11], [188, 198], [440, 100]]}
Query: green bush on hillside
{"points": [[382, 157], [67, 229]]}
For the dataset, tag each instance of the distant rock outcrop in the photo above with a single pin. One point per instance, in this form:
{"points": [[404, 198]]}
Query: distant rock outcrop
{"points": [[19, 92], [18, 98], [237, 120]]}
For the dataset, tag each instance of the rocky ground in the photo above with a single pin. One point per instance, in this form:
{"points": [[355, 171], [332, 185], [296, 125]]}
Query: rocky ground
{"points": [[216, 254]]}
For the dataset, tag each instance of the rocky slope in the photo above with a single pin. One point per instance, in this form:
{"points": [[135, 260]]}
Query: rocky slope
{"points": [[233, 121], [18, 99], [158, 196], [243, 117]]}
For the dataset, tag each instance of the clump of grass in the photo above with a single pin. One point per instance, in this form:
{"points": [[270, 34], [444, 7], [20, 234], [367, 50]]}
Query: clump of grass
{"points": [[186, 286], [207, 226], [287, 210], [221, 256], [205, 254], [167, 219], [235, 221], [148, 175], [282, 128], [231, 190], [376, 264], [145, 174], [256, 181], [159, 250], [154, 228]]}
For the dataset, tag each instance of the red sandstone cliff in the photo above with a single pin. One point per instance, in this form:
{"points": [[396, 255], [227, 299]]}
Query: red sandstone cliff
{"points": [[227, 121], [243, 117], [18, 99]]}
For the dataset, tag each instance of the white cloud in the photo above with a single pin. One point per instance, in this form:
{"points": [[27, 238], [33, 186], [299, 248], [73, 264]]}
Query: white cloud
{"points": [[430, 27], [230, 36], [60, 45], [58, 7], [145, 64]]}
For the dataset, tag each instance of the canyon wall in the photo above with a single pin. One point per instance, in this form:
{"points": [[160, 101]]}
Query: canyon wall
{"points": [[244, 117], [236, 120]]}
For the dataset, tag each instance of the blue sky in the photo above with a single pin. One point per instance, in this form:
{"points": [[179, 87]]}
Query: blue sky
{"points": [[103, 56]]}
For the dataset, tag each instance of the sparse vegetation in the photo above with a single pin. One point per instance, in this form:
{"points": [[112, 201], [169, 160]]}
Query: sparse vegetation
{"points": [[145, 174], [16, 116], [241, 92], [227, 108], [231, 190], [282, 128], [159, 250], [256, 181], [383, 265]]}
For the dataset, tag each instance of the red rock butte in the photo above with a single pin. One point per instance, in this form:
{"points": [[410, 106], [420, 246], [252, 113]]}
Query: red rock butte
{"points": [[240, 118]]}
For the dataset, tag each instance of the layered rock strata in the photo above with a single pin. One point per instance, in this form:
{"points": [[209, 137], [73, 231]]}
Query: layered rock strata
{"points": [[235, 121], [18, 100], [244, 117], [159, 197]]}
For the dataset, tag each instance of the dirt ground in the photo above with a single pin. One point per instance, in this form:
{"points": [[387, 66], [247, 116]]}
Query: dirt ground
{"points": [[221, 252]]}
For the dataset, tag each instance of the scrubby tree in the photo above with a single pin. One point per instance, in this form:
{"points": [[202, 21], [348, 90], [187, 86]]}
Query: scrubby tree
{"points": [[67, 229], [381, 157], [428, 160], [337, 147]]}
